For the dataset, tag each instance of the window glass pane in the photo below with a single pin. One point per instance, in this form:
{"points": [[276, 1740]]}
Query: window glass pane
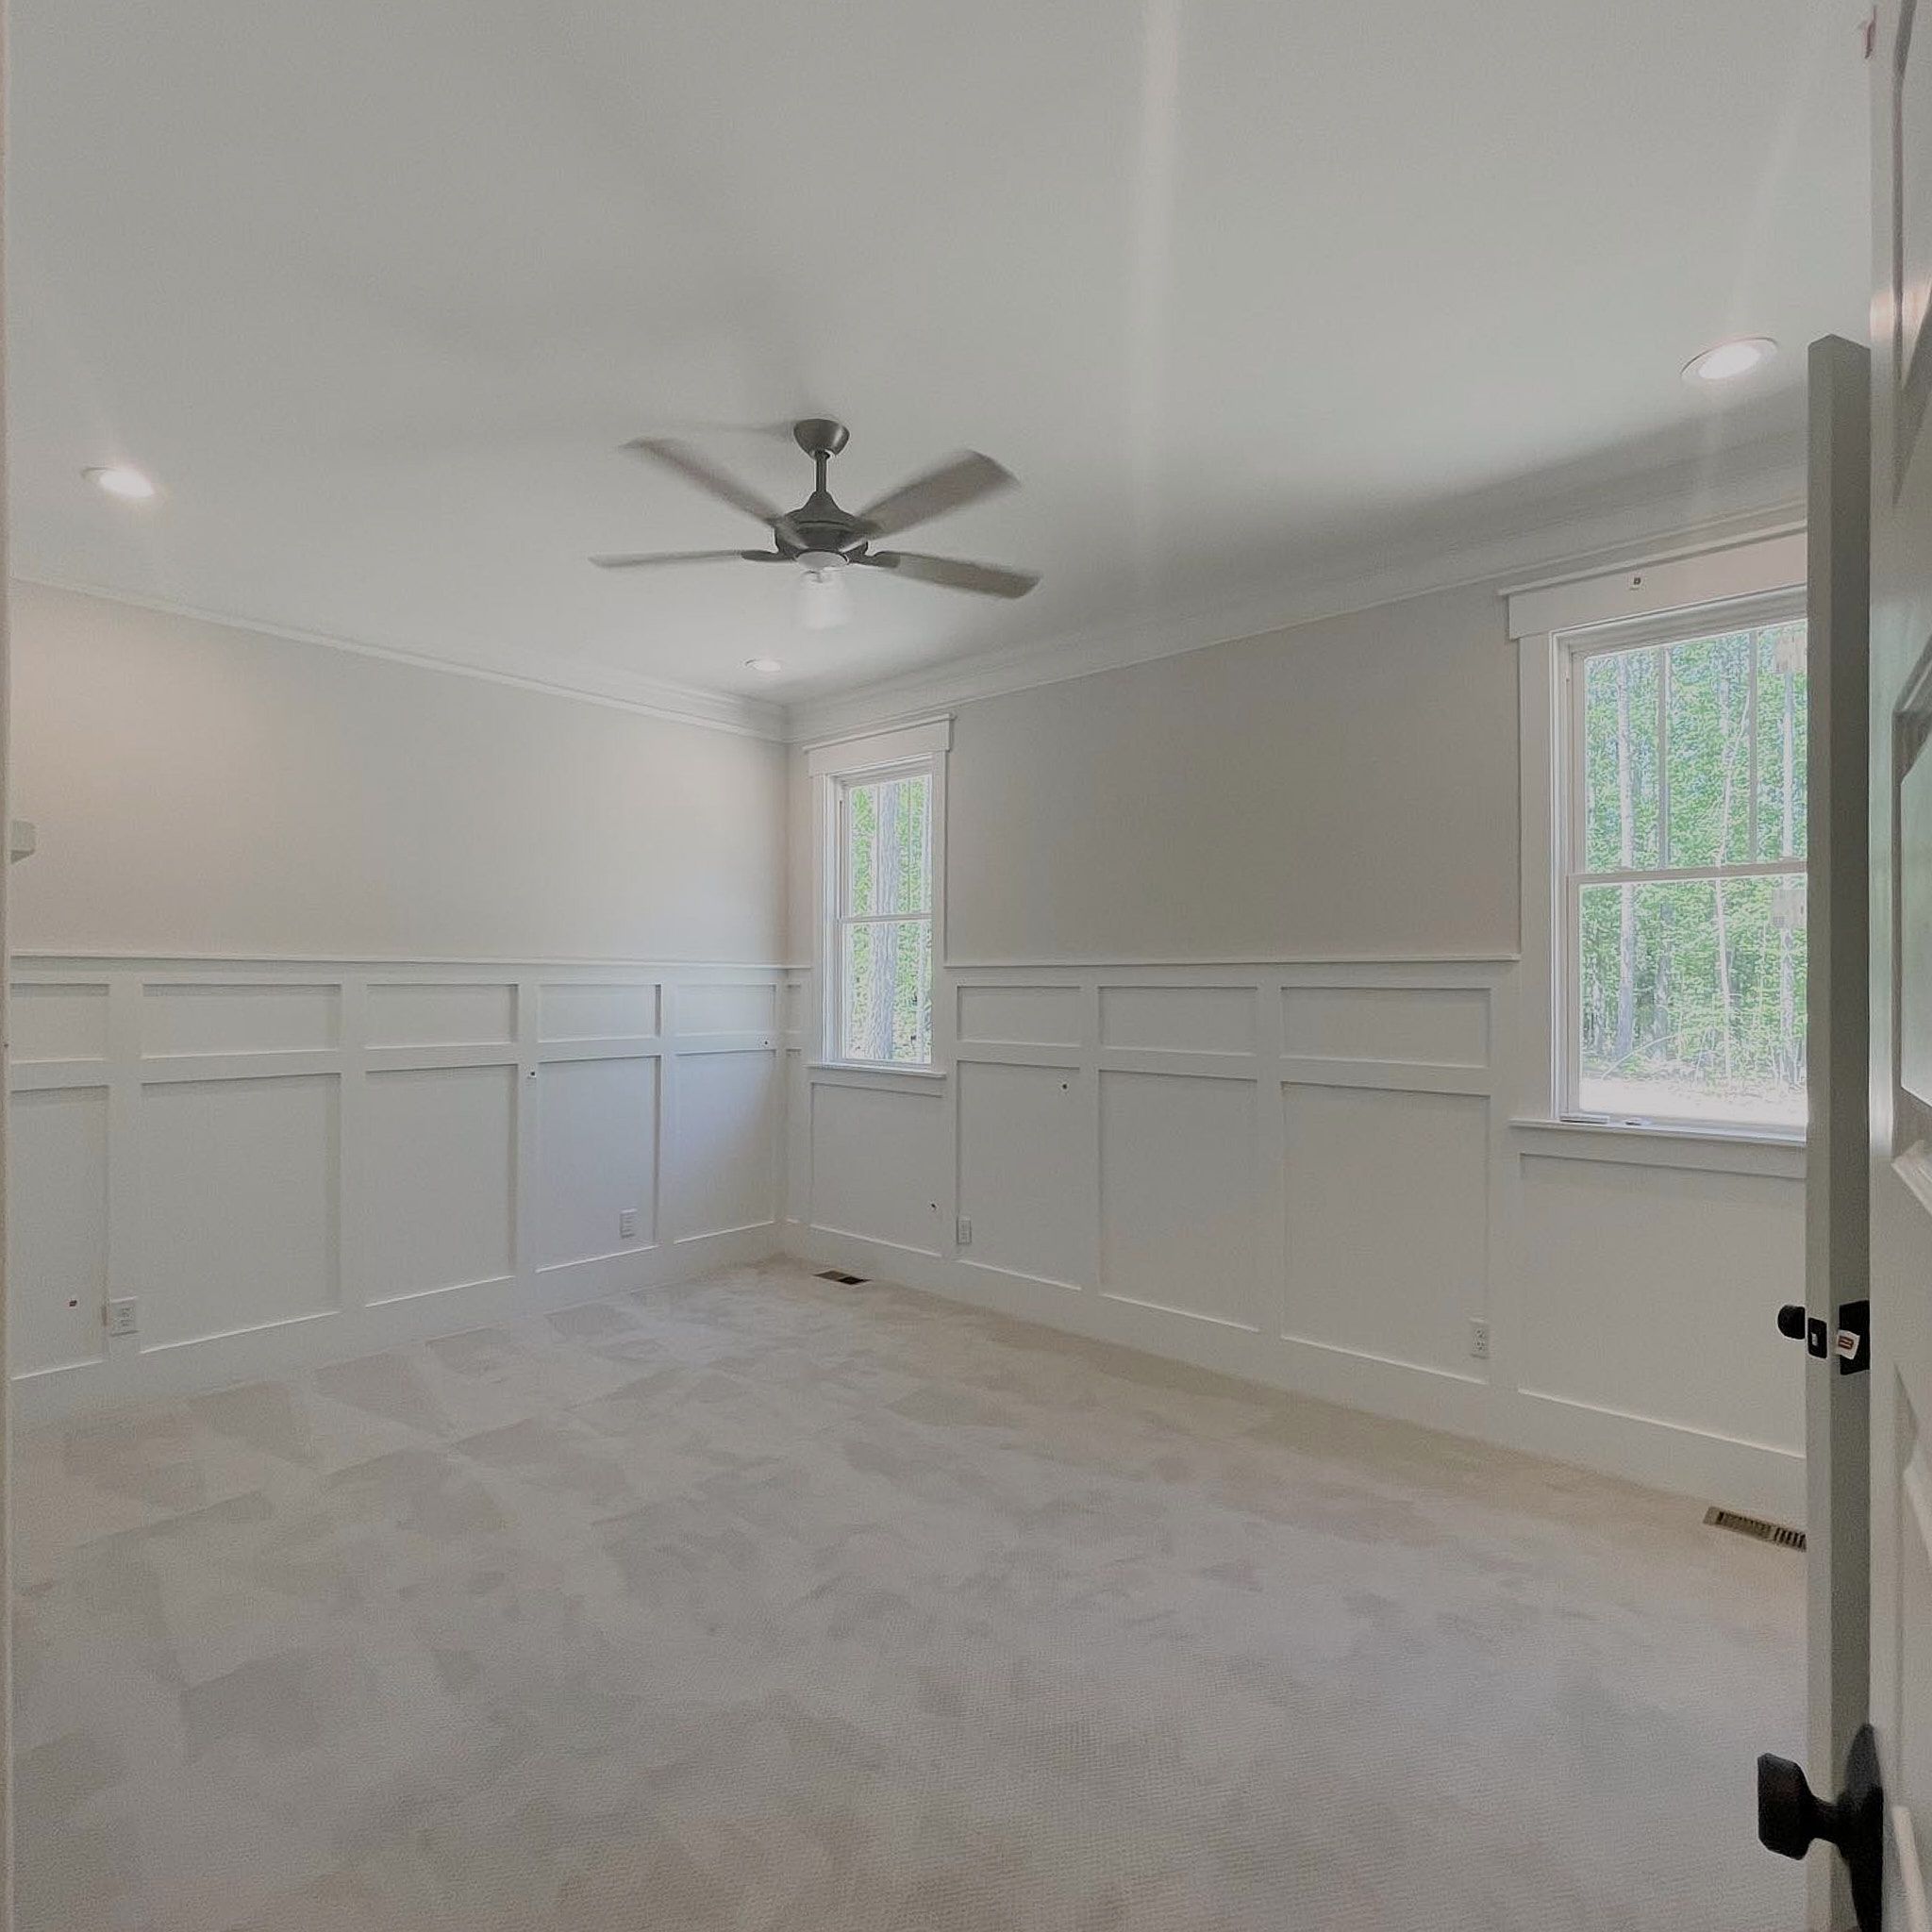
{"points": [[1620, 761], [1782, 717], [886, 858], [1707, 750], [1692, 1000], [887, 991]]}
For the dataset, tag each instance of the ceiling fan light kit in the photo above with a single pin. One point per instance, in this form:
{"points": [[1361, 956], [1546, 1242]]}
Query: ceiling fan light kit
{"points": [[824, 540]]}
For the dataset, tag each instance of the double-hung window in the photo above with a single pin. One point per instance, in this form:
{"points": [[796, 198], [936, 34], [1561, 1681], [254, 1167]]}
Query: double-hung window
{"points": [[881, 815], [1683, 869], [881, 948]]}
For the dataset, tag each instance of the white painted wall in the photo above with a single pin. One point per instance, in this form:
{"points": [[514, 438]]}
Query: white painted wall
{"points": [[1301, 1158], [203, 789]]}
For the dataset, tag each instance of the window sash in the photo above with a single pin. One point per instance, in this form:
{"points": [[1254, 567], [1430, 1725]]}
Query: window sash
{"points": [[1575, 875], [843, 912], [843, 919]]}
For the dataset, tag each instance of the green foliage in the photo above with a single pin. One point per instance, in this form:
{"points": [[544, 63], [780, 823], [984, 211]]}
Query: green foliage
{"points": [[1692, 990], [886, 972]]}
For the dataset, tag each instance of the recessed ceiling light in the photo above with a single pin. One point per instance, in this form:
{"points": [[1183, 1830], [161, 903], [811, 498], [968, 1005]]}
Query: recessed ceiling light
{"points": [[1728, 361], [129, 485], [765, 666]]}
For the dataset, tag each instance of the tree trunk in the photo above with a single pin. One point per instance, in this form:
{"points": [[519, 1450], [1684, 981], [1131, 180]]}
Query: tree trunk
{"points": [[884, 954], [1728, 740], [1787, 962], [1626, 858]]}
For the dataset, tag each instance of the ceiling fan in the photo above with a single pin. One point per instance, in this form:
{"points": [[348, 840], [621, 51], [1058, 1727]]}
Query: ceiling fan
{"points": [[824, 540]]}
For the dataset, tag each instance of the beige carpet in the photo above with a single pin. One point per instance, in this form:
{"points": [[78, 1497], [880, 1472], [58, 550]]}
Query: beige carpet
{"points": [[765, 1603]]}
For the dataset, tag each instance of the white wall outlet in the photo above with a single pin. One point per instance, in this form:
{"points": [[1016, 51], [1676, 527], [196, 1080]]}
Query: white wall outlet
{"points": [[1479, 1341], [121, 1317], [628, 1225], [964, 1231]]}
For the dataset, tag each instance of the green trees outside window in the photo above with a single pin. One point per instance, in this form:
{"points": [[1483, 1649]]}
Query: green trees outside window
{"points": [[885, 919], [1687, 882]]}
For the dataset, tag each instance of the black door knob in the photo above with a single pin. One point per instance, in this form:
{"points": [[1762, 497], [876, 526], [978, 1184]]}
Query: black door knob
{"points": [[1790, 1321], [1791, 1817]]}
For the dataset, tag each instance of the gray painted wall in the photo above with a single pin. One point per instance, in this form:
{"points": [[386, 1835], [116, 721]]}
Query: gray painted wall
{"points": [[204, 789]]}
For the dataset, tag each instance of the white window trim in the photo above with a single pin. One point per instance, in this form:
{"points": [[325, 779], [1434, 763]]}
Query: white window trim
{"points": [[1646, 603], [920, 747]]}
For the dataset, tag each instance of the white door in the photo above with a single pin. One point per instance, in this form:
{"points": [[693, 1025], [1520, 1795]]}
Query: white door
{"points": [[1901, 957]]}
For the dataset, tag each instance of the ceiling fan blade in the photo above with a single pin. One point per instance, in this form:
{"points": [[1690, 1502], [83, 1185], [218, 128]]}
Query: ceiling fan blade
{"points": [[689, 464], [955, 572], [957, 481], [641, 559]]}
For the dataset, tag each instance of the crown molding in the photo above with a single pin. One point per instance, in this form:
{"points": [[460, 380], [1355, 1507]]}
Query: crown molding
{"points": [[588, 683], [1684, 507]]}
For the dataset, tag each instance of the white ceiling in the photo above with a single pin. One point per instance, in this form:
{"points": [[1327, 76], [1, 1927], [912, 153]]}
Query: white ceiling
{"points": [[1236, 287]]}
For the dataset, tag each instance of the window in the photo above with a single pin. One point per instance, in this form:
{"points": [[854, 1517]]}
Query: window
{"points": [[881, 940], [1684, 869]]}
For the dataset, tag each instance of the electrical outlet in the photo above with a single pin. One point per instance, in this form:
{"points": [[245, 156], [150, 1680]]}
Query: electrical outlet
{"points": [[628, 1225], [1479, 1341], [121, 1317], [965, 1232]]}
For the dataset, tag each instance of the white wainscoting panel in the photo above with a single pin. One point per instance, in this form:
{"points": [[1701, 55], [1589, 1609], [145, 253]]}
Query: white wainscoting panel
{"points": [[725, 1168], [1655, 1295], [1025, 1160], [730, 1009], [1306, 1174], [879, 1155], [439, 1179], [592, 1009], [1178, 1207], [304, 1161], [1388, 1222], [1020, 1015], [446, 1013], [597, 1157], [210, 1019], [57, 1228], [1178, 1019], [58, 1022], [239, 1226], [1438, 1026]]}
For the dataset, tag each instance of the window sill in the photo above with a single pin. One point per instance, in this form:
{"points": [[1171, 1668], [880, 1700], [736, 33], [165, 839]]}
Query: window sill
{"points": [[1721, 1149], [874, 1069]]}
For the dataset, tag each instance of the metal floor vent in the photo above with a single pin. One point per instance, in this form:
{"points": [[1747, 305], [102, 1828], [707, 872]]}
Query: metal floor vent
{"points": [[1755, 1526], [838, 1276]]}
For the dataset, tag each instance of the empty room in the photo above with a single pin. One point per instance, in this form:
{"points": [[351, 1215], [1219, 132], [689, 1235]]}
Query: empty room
{"points": [[962, 966]]}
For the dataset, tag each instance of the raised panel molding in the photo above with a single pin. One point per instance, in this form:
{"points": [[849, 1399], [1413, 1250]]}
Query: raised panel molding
{"points": [[58, 1023], [1266, 1169], [597, 1157], [1023, 1161], [288, 1161], [1386, 1227], [439, 1181], [1020, 1015], [1438, 1026], [238, 1188], [1178, 1019], [440, 1013], [57, 1253], [590, 1010], [725, 1165], [193, 1018], [1311, 1175], [1178, 1206]]}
